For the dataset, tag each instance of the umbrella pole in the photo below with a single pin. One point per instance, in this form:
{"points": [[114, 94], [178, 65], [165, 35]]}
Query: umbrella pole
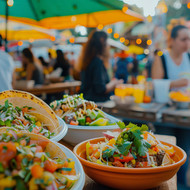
{"points": [[6, 27]]}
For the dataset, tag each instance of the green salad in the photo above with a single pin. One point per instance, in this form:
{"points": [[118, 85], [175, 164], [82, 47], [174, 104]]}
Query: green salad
{"points": [[75, 110]]}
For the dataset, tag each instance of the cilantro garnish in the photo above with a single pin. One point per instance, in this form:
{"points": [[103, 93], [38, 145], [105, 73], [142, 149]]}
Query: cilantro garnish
{"points": [[132, 139]]}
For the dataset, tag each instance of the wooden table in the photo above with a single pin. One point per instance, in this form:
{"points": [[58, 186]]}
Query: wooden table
{"points": [[169, 185], [54, 88]]}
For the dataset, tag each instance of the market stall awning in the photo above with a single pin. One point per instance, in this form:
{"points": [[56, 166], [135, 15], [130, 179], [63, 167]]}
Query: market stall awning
{"points": [[60, 14], [25, 35]]}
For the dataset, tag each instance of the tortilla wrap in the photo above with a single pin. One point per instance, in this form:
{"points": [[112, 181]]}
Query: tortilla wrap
{"points": [[40, 108]]}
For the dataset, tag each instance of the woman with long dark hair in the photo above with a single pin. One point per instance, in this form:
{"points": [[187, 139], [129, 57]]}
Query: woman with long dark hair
{"points": [[34, 69], [61, 62], [93, 65], [176, 61]]}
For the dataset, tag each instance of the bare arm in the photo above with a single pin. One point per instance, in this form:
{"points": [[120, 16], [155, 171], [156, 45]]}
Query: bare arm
{"points": [[157, 69], [179, 83], [112, 84]]}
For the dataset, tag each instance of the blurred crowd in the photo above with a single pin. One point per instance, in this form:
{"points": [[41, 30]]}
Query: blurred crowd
{"points": [[99, 71]]}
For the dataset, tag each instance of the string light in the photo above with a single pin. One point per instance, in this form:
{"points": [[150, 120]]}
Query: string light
{"points": [[126, 42], [149, 42], [188, 5], [100, 26], [109, 30], [52, 38], [20, 43], [122, 39], [116, 35], [149, 18], [138, 41], [73, 18], [124, 9], [72, 40], [10, 3], [146, 51], [160, 53]]}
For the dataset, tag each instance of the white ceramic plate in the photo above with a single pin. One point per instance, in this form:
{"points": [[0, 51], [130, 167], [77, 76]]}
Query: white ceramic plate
{"points": [[79, 169], [77, 134], [63, 132]]}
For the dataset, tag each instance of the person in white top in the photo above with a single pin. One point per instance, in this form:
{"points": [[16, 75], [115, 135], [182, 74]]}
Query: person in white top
{"points": [[6, 70], [176, 61]]}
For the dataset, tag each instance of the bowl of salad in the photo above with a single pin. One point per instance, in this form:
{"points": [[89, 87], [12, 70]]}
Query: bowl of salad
{"points": [[31, 161], [83, 118], [128, 155]]}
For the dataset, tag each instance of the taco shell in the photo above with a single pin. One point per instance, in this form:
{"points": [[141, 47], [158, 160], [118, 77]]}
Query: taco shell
{"points": [[40, 108]]}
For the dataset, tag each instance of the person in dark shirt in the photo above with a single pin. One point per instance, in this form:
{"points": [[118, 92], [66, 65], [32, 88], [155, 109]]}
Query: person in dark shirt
{"points": [[135, 69], [93, 65], [33, 67], [62, 63]]}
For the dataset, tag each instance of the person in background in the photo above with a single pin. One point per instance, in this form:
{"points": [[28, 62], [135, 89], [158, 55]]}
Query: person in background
{"points": [[122, 68], [34, 69], [170, 66], [7, 75], [51, 61], [62, 62], [135, 67], [93, 65], [43, 62], [176, 61]]}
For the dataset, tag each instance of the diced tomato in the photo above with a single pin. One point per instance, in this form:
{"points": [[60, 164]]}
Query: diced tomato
{"points": [[7, 152], [37, 159], [142, 165], [37, 171], [36, 130], [39, 149], [127, 158], [24, 110], [50, 166], [118, 164], [42, 143], [156, 149], [88, 120], [74, 123], [23, 142], [25, 122]]}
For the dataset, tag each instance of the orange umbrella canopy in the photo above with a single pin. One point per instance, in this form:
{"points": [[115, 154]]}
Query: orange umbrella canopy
{"points": [[61, 14]]}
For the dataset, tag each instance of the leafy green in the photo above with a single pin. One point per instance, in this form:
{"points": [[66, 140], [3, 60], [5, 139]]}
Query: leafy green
{"points": [[8, 123], [6, 104], [124, 148], [132, 139], [108, 153], [26, 179], [121, 125], [20, 184]]}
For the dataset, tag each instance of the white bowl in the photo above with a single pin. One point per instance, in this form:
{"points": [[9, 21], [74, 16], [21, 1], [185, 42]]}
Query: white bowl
{"points": [[77, 134], [79, 169], [62, 133]]}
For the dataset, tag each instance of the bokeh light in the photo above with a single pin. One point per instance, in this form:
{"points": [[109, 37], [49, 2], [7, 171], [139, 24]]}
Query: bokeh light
{"points": [[149, 42], [109, 30], [138, 41], [116, 35], [100, 27], [72, 40], [20, 43], [10, 3], [122, 39]]}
